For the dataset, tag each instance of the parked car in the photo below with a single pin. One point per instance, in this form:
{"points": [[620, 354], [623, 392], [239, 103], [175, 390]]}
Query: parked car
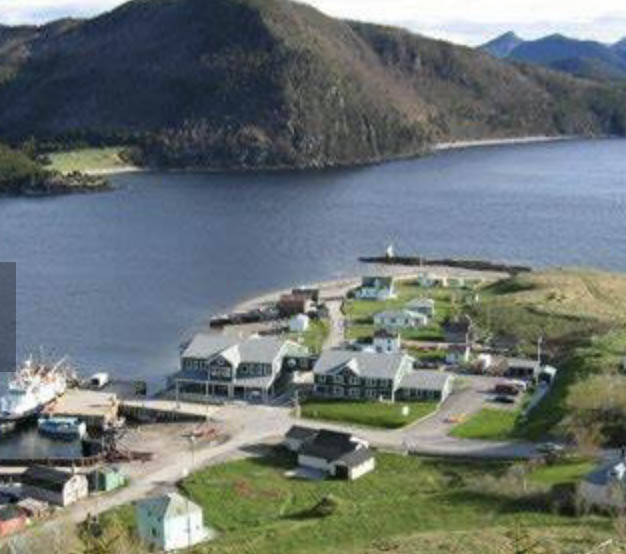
{"points": [[550, 448]]}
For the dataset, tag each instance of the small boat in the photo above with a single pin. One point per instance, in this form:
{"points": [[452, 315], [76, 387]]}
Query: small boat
{"points": [[66, 428]]}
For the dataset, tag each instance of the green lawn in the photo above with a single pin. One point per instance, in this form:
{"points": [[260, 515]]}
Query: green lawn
{"points": [[371, 414], [407, 505], [488, 424], [562, 473], [86, 159], [359, 313]]}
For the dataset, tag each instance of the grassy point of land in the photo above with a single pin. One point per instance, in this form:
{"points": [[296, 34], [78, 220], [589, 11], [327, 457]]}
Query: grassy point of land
{"points": [[86, 159], [369, 414], [488, 424]]}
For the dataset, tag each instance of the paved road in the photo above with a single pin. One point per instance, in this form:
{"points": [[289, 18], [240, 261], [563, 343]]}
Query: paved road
{"points": [[336, 319]]}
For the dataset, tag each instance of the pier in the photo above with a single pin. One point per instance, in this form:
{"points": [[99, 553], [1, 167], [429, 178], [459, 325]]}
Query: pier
{"points": [[97, 409]]}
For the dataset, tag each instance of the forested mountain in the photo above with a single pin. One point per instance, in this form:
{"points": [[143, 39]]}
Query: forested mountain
{"points": [[271, 83]]}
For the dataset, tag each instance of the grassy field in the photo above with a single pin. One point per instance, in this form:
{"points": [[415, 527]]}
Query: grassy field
{"points": [[371, 414], [86, 159], [580, 314], [488, 424], [258, 510]]}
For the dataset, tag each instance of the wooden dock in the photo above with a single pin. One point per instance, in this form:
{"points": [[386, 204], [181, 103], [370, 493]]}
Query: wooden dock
{"points": [[97, 409], [164, 411]]}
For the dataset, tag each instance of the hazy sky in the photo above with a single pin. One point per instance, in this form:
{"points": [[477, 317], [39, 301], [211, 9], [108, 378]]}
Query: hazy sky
{"points": [[464, 21]]}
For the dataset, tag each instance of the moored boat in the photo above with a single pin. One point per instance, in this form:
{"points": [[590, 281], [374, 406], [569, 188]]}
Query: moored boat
{"points": [[66, 428], [30, 390]]}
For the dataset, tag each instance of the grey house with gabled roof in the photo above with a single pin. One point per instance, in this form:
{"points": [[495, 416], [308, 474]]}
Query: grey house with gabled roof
{"points": [[221, 367], [369, 376], [360, 375]]}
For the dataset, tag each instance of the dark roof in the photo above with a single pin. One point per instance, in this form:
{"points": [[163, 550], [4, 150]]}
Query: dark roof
{"points": [[301, 433], [386, 334], [377, 282], [329, 445], [46, 478], [357, 457]]}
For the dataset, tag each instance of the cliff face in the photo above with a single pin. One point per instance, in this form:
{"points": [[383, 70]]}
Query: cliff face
{"points": [[270, 83]]}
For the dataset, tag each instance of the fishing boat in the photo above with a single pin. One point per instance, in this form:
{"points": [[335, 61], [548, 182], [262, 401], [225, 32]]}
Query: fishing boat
{"points": [[32, 388], [65, 428]]}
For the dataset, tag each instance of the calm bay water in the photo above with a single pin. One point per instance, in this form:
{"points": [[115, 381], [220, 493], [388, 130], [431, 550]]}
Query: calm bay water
{"points": [[118, 280]]}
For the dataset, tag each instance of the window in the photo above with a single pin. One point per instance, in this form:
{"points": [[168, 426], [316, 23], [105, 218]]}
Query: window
{"points": [[354, 380], [320, 378], [369, 393], [339, 379], [355, 393], [337, 391]]}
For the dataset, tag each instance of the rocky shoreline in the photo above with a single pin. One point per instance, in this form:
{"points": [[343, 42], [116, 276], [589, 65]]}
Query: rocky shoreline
{"points": [[54, 184]]}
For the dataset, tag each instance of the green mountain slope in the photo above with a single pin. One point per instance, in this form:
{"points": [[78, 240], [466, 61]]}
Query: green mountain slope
{"points": [[271, 83]]}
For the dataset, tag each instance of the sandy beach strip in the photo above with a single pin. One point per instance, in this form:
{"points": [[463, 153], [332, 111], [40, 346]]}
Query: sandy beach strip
{"points": [[339, 287], [442, 146]]}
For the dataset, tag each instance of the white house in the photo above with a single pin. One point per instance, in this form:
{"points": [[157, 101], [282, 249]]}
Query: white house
{"points": [[337, 454], [425, 306], [398, 319], [299, 323], [171, 522], [606, 486], [376, 288], [54, 486], [387, 342]]}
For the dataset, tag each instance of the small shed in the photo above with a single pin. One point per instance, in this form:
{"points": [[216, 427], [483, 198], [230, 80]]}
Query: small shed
{"points": [[106, 479], [299, 323]]}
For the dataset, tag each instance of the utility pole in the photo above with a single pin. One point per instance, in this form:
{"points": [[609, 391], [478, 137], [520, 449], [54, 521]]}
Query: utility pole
{"points": [[539, 343]]}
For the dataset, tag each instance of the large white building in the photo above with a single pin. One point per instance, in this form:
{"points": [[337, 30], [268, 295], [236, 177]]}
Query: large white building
{"points": [[170, 522]]}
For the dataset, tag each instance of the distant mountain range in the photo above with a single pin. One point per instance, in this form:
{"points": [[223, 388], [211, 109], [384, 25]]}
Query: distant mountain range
{"points": [[583, 58], [247, 84]]}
